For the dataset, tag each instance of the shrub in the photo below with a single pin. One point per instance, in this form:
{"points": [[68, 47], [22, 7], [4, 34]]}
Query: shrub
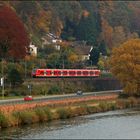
{"points": [[14, 77], [4, 122], [17, 116], [43, 92], [28, 117], [41, 114], [103, 106], [91, 109], [81, 110], [54, 90], [15, 93], [63, 113], [48, 113], [120, 104], [133, 101], [112, 106], [123, 95], [130, 102]]}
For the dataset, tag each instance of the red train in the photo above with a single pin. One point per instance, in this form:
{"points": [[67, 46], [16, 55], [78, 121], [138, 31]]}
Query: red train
{"points": [[65, 73]]}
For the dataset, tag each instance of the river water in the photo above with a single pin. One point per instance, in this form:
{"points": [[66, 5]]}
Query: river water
{"points": [[122, 124]]}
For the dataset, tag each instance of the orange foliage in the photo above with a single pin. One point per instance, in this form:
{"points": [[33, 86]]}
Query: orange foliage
{"points": [[85, 13], [107, 32], [125, 65], [44, 20]]}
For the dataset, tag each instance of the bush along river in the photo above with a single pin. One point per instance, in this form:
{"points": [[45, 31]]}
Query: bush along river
{"points": [[118, 124], [27, 114]]}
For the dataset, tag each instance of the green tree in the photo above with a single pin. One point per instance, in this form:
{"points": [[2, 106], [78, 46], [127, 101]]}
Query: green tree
{"points": [[94, 56], [102, 48], [14, 77], [101, 63], [53, 60], [88, 29], [125, 65]]}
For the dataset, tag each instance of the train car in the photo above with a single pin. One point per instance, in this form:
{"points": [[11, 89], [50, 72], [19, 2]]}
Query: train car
{"points": [[65, 73]]}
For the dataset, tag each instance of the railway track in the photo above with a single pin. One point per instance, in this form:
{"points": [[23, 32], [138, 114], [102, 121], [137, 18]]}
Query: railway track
{"points": [[59, 97]]}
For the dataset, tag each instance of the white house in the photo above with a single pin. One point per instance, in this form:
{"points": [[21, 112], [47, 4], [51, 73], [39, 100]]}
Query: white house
{"points": [[33, 50], [51, 39]]}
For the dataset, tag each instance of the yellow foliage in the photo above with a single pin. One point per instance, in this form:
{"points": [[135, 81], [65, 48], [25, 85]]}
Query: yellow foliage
{"points": [[73, 58], [44, 20], [125, 65], [107, 32], [85, 13]]}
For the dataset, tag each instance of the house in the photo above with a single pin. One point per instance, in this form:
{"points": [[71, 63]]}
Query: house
{"points": [[51, 39], [82, 50], [32, 49]]}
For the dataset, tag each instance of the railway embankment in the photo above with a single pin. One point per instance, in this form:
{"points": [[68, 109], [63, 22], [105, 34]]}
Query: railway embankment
{"points": [[29, 113], [49, 86]]}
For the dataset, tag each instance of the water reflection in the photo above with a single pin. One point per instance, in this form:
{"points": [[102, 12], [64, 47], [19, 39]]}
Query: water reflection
{"points": [[113, 124], [39, 128]]}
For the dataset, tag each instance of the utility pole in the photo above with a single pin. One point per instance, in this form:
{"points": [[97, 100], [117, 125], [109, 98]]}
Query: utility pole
{"points": [[25, 69], [63, 64]]}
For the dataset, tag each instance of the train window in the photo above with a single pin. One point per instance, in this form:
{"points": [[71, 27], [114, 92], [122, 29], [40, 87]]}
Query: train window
{"points": [[71, 72], [55, 72], [64, 72], [91, 72], [59, 72], [48, 72], [96, 72], [85, 72], [78, 72]]}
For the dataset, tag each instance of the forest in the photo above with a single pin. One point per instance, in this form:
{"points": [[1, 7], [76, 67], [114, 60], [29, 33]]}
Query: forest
{"points": [[106, 23]]}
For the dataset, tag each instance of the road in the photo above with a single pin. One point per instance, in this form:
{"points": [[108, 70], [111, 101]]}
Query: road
{"points": [[60, 97]]}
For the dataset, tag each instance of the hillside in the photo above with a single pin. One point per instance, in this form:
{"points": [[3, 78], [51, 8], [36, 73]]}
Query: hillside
{"points": [[106, 22]]}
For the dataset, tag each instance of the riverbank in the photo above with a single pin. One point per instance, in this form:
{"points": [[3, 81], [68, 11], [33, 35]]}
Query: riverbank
{"points": [[21, 114]]}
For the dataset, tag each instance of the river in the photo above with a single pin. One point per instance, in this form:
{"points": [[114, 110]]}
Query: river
{"points": [[122, 124]]}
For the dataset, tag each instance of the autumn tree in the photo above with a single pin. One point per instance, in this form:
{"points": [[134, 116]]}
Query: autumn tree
{"points": [[125, 65], [106, 33], [43, 21], [64, 58], [56, 25], [118, 36], [14, 39]]}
